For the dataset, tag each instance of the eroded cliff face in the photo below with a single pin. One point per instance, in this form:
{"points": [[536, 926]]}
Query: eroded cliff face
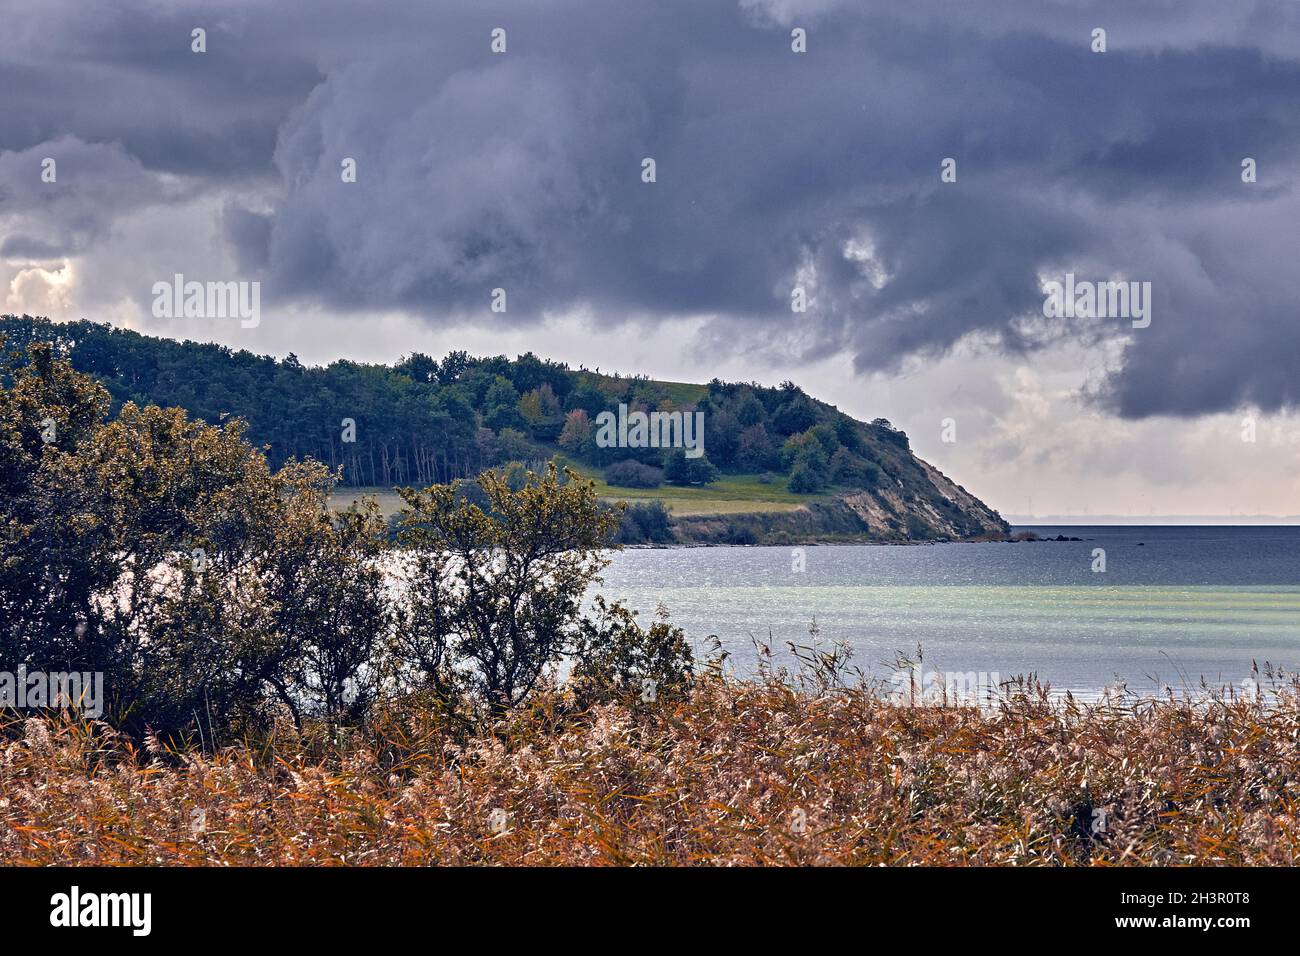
{"points": [[936, 509], [948, 512]]}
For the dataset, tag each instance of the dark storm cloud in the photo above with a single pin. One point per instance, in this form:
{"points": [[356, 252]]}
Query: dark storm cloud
{"points": [[93, 183], [124, 73], [522, 170]]}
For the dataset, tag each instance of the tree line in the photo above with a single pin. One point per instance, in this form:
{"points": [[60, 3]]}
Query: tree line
{"points": [[425, 420]]}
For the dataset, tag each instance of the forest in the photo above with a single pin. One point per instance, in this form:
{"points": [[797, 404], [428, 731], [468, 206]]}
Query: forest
{"points": [[425, 420]]}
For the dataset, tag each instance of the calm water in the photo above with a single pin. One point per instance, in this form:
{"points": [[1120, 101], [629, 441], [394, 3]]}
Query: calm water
{"points": [[1174, 603]]}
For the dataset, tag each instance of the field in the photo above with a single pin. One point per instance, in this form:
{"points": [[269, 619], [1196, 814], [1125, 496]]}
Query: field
{"points": [[732, 494], [733, 773]]}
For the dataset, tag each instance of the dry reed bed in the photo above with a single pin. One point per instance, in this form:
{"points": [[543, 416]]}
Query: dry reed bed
{"points": [[734, 773]]}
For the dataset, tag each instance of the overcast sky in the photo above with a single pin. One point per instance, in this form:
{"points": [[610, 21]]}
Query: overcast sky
{"points": [[774, 169]]}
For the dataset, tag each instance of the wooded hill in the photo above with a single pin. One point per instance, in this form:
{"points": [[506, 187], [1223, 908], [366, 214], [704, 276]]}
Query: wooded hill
{"points": [[427, 420]]}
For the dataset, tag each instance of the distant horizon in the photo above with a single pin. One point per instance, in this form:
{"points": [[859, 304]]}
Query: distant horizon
{"points": [[1190, 521]]}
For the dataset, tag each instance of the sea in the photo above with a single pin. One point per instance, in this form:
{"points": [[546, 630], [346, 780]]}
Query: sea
{"points": [[1150, 610]]}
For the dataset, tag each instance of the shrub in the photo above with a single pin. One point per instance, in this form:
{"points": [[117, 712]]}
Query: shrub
{"points": [[804, 480], [645, 522], [615, 659], [633, 474], [680, 470], [811, 442], [853, 470], [810, 470], [495, 595]]}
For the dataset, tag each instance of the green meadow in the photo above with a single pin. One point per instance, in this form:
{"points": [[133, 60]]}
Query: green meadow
{"points": [[731, 494]]}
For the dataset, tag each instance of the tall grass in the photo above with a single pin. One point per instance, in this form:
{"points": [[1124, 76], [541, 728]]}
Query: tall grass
{"points": [[734, 772]]}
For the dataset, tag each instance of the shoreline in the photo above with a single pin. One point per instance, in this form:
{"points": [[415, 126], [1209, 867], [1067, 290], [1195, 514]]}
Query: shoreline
{"points": [[816, 543]]}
